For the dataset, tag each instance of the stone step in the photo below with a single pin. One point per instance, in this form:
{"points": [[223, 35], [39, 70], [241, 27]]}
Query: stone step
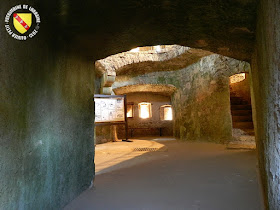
{"points": [[236, 99], [243, 125], [241, 107], [238, 102], [245, 131], [241, 112], [247, 138], [249, 132], [243, 118]]}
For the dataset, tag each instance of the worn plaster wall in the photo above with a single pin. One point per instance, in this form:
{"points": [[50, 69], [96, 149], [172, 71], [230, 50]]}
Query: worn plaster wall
{"points": [[152, 123], [46, 122], [266, 98], [201, 103]]}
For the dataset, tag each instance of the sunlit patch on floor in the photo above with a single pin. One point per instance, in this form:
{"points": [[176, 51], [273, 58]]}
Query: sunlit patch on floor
{"points": [[115, 155]]}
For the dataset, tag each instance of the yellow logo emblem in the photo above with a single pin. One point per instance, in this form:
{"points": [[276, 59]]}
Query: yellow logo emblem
{"points": [[22, 22]]}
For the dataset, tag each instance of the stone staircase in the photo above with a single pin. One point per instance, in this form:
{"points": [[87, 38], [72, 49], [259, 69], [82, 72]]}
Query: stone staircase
{"points": [[243, 127]]}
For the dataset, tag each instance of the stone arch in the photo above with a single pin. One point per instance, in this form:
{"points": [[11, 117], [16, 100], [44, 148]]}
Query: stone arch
{"points": [[171, 57], [201, 86], [219, 66]]}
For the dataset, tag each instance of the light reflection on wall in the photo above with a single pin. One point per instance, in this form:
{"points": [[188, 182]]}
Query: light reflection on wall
{"points": [[145, 110], [237, 78]]}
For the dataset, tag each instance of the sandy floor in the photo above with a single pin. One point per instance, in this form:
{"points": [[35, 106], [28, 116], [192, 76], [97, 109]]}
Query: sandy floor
{"points": [[178, 176]]}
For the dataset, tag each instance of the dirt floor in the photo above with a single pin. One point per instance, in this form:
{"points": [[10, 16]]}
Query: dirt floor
{"points": [[172, 175]]}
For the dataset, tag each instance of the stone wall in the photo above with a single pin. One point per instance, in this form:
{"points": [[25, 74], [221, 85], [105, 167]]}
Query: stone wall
{"points": [[266, 99], [152, 123], [201, 103], [46, 122]]}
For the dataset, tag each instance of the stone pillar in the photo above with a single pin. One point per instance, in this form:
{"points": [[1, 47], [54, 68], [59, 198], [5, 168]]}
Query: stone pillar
{"points": [[266, 99], [108, 79], [106, 82], [114, 133], [106, 90]]}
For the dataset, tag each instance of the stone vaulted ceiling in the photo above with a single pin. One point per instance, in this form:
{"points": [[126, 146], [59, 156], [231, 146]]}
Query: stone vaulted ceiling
{"points": [[226, 27]]}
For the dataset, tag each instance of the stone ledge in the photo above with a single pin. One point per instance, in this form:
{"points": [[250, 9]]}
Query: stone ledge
{"points": [[241, 145]]}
